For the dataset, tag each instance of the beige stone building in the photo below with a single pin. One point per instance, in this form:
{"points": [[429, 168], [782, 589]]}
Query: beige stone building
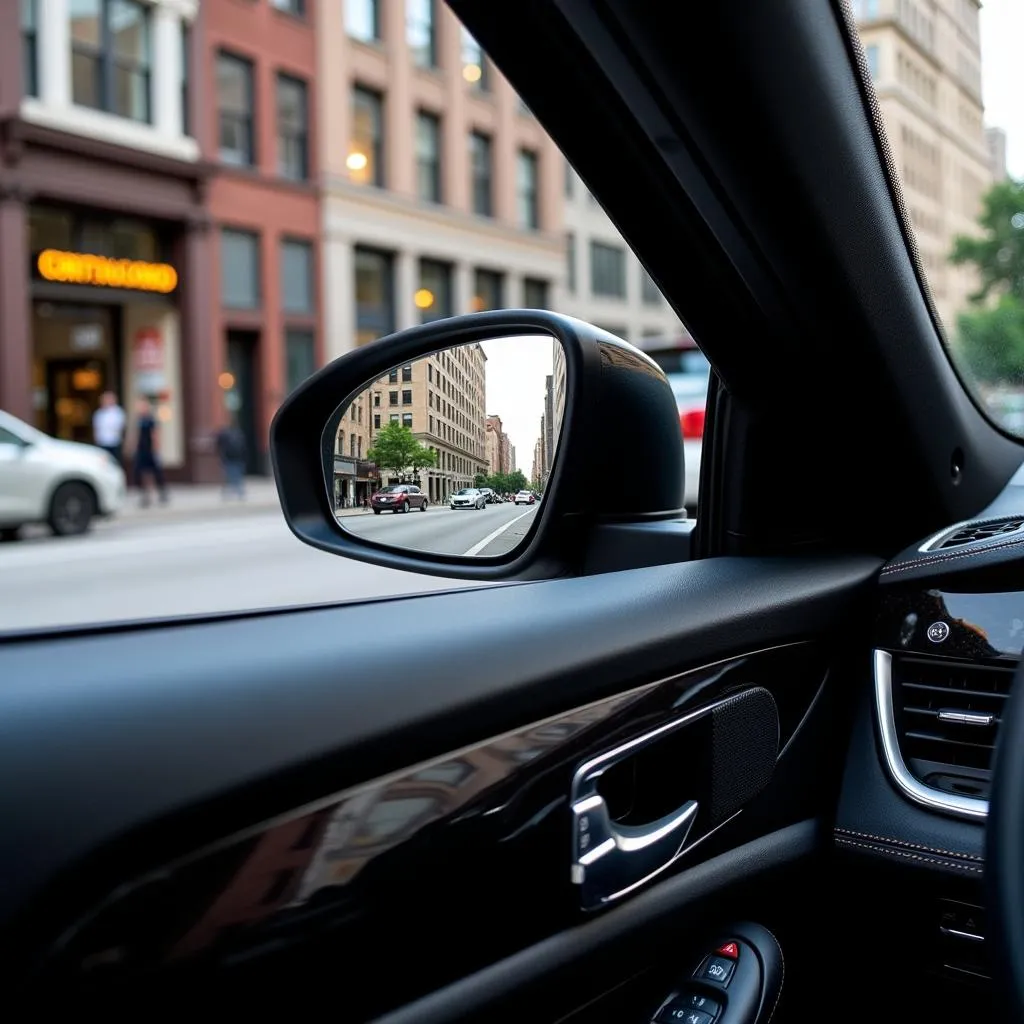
{"points": [[441, 192], [925, 59], [441, 400]]}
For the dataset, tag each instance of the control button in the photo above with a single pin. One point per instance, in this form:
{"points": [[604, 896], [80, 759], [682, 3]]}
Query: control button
{"points": [[688, 1002], [729, 949], [679, 1014], [717, 969]]}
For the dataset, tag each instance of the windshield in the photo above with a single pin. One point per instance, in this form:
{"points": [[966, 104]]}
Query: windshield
{"points": [[396, 489], [466, 490]]}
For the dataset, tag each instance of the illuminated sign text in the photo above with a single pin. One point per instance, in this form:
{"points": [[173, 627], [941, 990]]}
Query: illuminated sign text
{"points": [[82, 268]]}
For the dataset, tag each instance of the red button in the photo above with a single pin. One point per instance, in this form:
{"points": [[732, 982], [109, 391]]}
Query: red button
{"points": [[729, 949]]}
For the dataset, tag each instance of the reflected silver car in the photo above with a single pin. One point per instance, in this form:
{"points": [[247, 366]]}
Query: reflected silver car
{"points": [[468, 497]]}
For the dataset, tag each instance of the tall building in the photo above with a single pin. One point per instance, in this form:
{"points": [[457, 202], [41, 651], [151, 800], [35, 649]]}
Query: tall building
{"points": [[441, 191], [441, 400], [102, 220], [558, 373], [605, 283], [498, 446], [264, 324], [925, 58], [995, 138]]}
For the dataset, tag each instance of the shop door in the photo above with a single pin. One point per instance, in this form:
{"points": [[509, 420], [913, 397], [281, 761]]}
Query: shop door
{"points": [[242, 349], [74, 387]]}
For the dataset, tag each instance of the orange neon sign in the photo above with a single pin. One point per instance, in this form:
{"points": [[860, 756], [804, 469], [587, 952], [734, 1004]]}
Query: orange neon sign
{"points": [[83, 268]]}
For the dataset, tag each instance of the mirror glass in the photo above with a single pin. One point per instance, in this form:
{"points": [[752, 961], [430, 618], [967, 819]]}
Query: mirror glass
{"points": [[450, 455]]}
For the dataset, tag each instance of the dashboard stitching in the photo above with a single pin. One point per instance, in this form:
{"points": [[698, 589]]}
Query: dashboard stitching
{"points": [[782, 978], [919, 563], [906, 855], [909, 845]]}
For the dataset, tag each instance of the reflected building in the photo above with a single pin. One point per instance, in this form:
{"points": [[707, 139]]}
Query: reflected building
{"points": [[499, 448]]}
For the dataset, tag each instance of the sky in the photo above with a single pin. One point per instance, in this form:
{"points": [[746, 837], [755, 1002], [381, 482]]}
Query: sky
{"points": [[1002, 74], [516, 369]]}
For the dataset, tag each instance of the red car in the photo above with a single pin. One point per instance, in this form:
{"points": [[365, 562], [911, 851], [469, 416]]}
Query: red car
{"points": [[398, 498]]}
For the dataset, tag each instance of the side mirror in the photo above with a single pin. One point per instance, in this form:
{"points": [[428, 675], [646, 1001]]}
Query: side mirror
{"points": [[425, 420]]}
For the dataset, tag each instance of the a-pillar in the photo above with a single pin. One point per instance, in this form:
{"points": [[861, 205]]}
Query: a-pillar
{"points": [[15, 332]]}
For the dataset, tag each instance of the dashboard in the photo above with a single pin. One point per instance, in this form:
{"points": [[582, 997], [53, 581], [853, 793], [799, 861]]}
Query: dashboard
{"points": [[948, 634]]}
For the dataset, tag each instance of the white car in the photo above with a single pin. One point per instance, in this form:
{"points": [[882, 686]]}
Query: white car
{"points": [[525, 498], [469, 497], [61, 483]]}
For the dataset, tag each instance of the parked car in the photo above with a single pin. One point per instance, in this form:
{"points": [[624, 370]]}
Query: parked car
{"points": [[525, 498], [468, 497], [64, 484], [398, 498], [490, 496], [689, 373]]}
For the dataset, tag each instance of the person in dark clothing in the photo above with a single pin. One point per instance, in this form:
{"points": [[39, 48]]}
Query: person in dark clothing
{"points": [[147, 453], [231, 448]]}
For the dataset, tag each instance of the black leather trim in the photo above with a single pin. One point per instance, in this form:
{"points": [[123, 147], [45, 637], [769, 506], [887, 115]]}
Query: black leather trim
{"points": [[873, 819]]}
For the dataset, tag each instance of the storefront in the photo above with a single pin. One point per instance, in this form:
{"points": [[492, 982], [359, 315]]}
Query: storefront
{"points": [[104, 316], [354, 481]]}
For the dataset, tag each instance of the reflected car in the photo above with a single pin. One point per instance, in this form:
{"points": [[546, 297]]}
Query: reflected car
{"points": [[398, 498], [468, 497], [525, 498], [689, 374], [64, 484]]}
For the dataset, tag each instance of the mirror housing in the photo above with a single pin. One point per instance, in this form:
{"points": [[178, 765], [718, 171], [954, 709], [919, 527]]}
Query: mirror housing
{"points": [[619, 458]]}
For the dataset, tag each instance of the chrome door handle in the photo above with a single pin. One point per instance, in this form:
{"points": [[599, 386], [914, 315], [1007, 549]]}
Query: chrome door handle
{"points": [[611, 859]]}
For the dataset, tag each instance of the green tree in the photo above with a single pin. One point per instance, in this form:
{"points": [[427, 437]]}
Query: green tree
{"points": [[517, 482], [397, 449], [991, 341], [481, 481], [998, 254]]}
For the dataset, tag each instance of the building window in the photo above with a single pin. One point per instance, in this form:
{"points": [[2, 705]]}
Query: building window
{"points": [[607, 270], [299, 357], [872, 55], [480, 159], [649, 292], [570, 261], [292, 128], [488, 286], [407, 397], [297, 277], [526, 189], [421, 33], [296, 7], [110, 57], [365, 160], [235, 110], [376, 421], [474, 64], [393, 375], [434, 297], [375, 295], [392, 398], [535, 293], [362, 20], [570, 182], [406, 374], [186, 65], [29, 44], [240, 269], [428, 157], [407, 420], [393, 418]]}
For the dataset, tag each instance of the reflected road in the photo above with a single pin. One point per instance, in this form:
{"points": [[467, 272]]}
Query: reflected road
{"points": [[492, 530]]}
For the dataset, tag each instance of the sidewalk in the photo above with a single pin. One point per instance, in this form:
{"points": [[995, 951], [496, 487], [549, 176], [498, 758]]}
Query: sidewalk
{"points": [[206, 500]]}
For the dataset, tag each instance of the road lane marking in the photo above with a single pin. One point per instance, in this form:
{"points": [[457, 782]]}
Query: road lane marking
{"points": [[477, 548]]}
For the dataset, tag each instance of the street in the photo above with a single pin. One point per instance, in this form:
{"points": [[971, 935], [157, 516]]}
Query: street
{"points": [[492, 530], [138, 568]]}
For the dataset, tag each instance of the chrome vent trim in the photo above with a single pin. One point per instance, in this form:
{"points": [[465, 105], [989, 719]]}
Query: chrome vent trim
{"points": [[938, 540], [912, 788]]}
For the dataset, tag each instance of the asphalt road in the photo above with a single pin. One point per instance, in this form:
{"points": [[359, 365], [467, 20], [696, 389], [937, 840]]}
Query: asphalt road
{"points": [[138, 569], [492, 530]]}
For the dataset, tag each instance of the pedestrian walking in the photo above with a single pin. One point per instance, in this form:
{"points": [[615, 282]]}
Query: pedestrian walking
{"points": [[232, 449], [147, 454], [108, 423]]}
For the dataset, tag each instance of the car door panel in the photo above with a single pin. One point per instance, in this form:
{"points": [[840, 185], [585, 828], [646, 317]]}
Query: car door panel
{"points": [[221, 745]]}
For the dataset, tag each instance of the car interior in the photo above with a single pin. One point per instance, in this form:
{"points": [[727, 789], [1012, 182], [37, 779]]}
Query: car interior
{"points": [[764, 766]]}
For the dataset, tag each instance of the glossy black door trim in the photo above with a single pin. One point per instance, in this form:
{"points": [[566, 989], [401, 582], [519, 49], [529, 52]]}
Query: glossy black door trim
{"points": [[475, 995]]}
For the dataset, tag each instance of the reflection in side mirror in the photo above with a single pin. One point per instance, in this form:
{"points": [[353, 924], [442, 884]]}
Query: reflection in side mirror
{"points": [[450, 454]]}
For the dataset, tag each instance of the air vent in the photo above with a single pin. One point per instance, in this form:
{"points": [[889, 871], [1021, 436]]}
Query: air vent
{"points": [[979, 532], [948, 714]]}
